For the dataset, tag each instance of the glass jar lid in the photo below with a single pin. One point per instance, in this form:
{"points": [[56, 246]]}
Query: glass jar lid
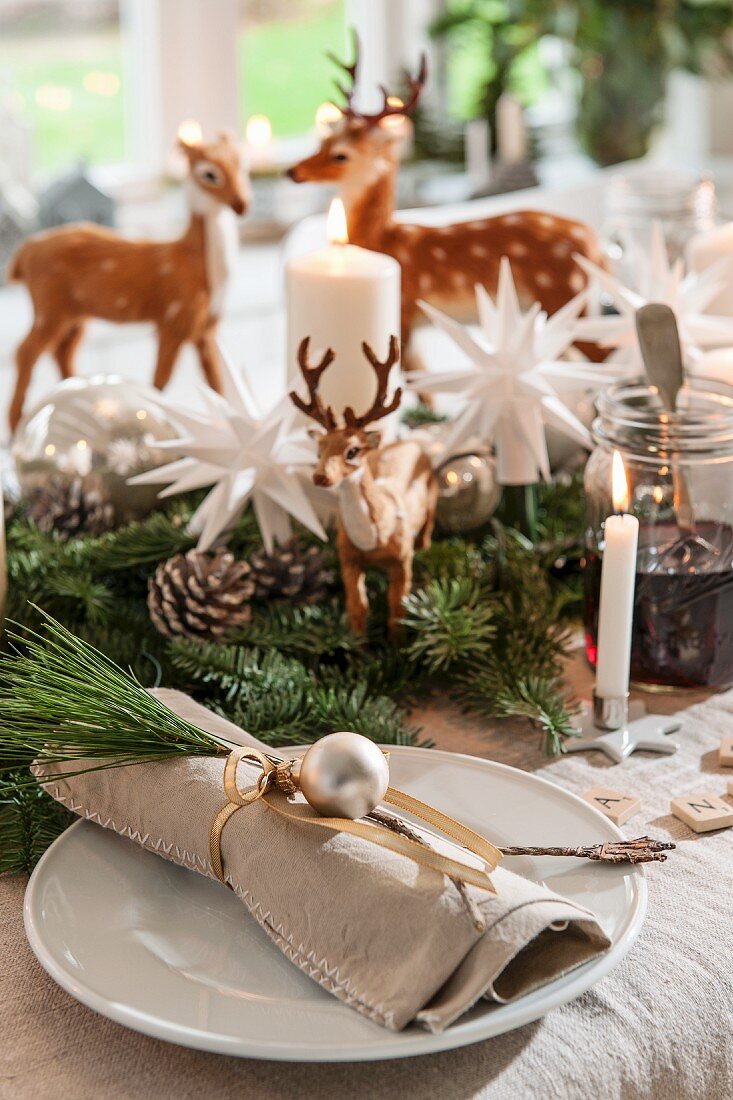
{"points": [[632, 418]]}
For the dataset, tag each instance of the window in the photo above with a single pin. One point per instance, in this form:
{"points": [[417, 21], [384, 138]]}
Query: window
{"points": [[61, 74], [283, 73]]}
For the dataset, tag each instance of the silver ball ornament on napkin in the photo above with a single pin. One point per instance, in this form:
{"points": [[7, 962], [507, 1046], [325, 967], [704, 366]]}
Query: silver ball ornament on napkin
{"points": [[344, 775], [95, 432], [467, 491]]}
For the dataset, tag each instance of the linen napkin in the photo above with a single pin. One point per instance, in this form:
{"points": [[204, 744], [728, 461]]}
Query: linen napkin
{"points": [[395, 940]]}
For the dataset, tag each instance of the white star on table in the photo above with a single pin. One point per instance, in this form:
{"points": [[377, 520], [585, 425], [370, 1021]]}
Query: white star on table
{"points": [[515, 380], [687, 295], [245, 456]]}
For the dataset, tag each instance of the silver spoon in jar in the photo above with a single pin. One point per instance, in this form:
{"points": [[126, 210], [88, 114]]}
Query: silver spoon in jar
{"points": [[659, 341]]}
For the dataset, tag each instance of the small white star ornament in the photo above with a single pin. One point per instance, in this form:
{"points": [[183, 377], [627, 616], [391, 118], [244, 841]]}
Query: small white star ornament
{"points": [[514, 381], [246, 456], [687, 295]]}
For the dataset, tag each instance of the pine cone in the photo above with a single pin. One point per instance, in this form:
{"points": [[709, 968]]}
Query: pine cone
{"points": [[290, 572], [200, 595], [69, 508]]}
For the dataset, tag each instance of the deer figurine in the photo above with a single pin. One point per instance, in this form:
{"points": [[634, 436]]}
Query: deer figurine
{"points": [[82, 271], [386, 495], [440, 264]]}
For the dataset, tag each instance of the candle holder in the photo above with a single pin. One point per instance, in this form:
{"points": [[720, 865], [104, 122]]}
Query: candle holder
{"points": [[632, 729], [683, 600]]}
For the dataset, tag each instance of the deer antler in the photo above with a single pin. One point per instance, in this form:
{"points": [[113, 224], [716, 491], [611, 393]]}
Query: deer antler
{"points": [[378, 407], [351, 71], [314, 408], [388, 110]]}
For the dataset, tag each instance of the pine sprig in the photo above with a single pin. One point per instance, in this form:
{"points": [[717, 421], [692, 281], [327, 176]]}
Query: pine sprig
{"points": [[62, 699], [448, 622]]}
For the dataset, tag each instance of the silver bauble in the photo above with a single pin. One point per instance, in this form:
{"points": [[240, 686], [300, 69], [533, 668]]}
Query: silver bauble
{"points": [[98, 430], [467, 491], [344, 775]]}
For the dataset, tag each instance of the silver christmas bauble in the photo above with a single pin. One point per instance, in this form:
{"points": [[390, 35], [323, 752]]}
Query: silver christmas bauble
{"points": [[98, 432], [344, 775], [467, 491]]}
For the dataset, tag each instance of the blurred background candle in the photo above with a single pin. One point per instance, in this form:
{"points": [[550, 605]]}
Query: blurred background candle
{"points": [[705, 249], [339, 297], [259, 143], [618, 578]]}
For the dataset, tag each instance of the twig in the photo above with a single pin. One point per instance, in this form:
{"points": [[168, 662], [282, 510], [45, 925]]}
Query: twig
{"points": [[642, 850]]}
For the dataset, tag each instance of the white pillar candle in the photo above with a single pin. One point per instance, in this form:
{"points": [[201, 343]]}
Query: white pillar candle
{"points": [[707, 248], [618, 578], [339, 297]]}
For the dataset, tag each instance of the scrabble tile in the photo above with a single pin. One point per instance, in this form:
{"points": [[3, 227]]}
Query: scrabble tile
{"points": [[730, 786], [614, 804], [725, 752], [703, 812]]}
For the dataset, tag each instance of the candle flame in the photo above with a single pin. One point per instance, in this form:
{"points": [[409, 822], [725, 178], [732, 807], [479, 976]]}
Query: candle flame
{"points": [[189, 132], [619, 484], [337, 228], [258, 131]]}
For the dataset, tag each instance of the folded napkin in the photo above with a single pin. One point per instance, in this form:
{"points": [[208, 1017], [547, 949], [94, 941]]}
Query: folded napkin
{"points": [[395, 940]]}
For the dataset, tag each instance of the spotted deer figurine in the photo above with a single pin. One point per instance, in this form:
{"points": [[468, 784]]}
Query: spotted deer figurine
{"points": [[440, 264], [83, 271], [386, 495]]}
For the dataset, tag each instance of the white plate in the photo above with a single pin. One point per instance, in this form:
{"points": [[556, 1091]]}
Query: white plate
{"points": [[173, 954]]}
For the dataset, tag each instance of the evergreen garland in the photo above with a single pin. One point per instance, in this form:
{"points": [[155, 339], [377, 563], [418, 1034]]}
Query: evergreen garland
{"points": [[485, 624]]}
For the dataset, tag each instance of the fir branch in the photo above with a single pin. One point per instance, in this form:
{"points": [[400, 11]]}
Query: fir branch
{"points": [[495, 691], [280, 701], [448, 559], [30, 820], [310, 633], [448, 623]]}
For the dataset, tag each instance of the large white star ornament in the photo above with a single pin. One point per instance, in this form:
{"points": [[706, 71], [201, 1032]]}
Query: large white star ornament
{"points": [[514, 380], [246, 457], [687, 295]]}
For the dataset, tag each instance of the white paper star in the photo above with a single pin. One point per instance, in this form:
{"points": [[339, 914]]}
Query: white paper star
{"points": [[246, 457], [514, 380], [687, 295]]}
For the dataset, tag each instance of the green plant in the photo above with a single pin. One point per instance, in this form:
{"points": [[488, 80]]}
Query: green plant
{"points": [[622, 50]]}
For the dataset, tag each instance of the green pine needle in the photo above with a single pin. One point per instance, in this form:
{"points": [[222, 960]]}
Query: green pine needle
{"points": [[447, 622], [62, 699], [30, 820]]}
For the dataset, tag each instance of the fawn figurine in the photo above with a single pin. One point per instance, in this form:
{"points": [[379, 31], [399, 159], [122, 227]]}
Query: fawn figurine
{"points": [[440, 264], [386, 495], [82, 271]]}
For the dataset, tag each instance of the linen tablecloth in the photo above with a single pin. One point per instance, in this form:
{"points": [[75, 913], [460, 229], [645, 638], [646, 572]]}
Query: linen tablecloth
{"points": [[659, 1026]]}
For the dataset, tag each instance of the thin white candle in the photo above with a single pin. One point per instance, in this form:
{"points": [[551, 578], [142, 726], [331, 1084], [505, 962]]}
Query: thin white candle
{"points": [[618, 578], [339, 297]]}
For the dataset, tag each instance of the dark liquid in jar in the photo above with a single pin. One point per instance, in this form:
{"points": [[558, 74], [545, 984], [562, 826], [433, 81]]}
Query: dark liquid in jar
{"points": [[682, 634]]}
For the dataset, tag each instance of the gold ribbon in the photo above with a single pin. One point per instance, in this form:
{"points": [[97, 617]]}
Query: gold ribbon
{"points": [[275, 783]]}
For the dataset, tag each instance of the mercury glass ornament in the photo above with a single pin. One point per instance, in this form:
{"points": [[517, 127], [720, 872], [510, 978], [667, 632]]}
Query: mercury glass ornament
{"points": [[344, 775], [468, 491], [99, 431]]}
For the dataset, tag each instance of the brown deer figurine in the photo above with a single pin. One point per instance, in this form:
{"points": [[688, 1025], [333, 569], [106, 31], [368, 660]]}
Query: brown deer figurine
{"points": [[386, 495], [440, 264], [82, 271]]}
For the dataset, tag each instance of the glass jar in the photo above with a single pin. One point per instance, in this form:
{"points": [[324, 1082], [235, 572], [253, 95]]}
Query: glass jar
{"points": [[684, 204], [679, 468]]}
